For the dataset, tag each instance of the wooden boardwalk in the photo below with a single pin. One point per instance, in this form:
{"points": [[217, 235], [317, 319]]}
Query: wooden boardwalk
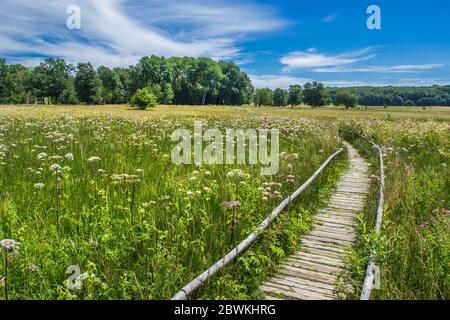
{"points": [[311, 273]]}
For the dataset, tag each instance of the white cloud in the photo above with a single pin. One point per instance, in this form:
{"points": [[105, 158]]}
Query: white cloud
{"points": [[330, 18], [118, 32], [212, 18], [274, 81], [314, 61], [401, 68], [298, 60]]}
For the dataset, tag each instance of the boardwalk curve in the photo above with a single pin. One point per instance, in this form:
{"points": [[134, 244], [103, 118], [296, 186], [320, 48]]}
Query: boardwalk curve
{"points": [[311, 273]]}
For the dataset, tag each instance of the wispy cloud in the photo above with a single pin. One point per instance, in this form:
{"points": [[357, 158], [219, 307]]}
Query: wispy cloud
{"points": [[209, 18], [316, 62], [401, 68], [311, 59], [330, 18], [274, 81], [118, 32]]}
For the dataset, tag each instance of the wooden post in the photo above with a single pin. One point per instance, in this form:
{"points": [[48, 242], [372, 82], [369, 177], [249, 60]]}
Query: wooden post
{"points": [[371, 268]]}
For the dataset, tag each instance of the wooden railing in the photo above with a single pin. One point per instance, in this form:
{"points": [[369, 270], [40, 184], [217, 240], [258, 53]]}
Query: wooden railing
{"points": [[191, 287], [371, 271]]}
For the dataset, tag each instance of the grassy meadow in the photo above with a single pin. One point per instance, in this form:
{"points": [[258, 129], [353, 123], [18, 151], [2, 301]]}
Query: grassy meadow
{"points": [[95, 186]]}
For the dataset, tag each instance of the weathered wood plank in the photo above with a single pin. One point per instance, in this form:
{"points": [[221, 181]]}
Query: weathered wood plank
{"points": [[308, 274], [299, 263], [311, 273]]}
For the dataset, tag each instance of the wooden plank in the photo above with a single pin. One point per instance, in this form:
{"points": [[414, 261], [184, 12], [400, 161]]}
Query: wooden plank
{"points": [[330, 235], [322, 252], [314, 285], [311, 273], [292, 294], [337, 213], [308, 274], [303, 264], [337, 219], [334, 229], [333, 247], [300, 288], [315, 258], [328, 240]]}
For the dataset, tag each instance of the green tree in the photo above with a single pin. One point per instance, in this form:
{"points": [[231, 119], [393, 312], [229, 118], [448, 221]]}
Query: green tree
{"points": [[112, 88], [345, 98], [50, 79], [315, 95], [69, 95], [143, 99], [150, 70], [15, 84], [167, 94], [263, 97], [280, 97], [125, 80], [207, 78], [295, 95], [235, 87], [182, 83], [87, 84], [5, 82]]}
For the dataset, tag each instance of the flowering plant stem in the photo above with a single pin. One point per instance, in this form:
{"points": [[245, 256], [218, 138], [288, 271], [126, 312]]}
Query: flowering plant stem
{"points": [[5, 258]]}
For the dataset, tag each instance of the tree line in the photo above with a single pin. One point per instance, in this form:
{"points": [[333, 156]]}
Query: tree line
{"points": [[397, 96], [177, 80], [313, 94], [316, 95], [186, 81]]}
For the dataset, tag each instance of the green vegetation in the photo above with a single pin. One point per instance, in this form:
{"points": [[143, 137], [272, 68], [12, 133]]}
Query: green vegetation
{"points": [[398, 96], [87, 84], [95, 187], [263, 97], [413, 248], [187, 81], [295, 95], [315, 95], [143, 99], [345, 98], [101, 192], [175, 80], [280, 97]]}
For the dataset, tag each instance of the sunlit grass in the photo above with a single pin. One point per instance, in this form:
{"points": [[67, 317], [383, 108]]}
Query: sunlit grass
{"points": [[329, 112], [95, 186], [101, 192]]}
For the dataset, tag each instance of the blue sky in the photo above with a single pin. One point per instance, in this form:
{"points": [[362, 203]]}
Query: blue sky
{"points": [[276, 43]]}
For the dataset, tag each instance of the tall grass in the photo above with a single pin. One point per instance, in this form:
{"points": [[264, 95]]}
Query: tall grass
{"points": [[414, 245], [101, 192]]}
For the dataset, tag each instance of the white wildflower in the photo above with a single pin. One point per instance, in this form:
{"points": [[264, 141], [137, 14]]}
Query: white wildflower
{"points": [[41, 156], [94, 159], [9, 245], [69, 156], [56, 168]]}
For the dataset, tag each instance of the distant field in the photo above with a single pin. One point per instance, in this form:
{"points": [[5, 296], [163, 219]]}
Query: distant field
{"points": [[95, 187], [329, 112]]}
